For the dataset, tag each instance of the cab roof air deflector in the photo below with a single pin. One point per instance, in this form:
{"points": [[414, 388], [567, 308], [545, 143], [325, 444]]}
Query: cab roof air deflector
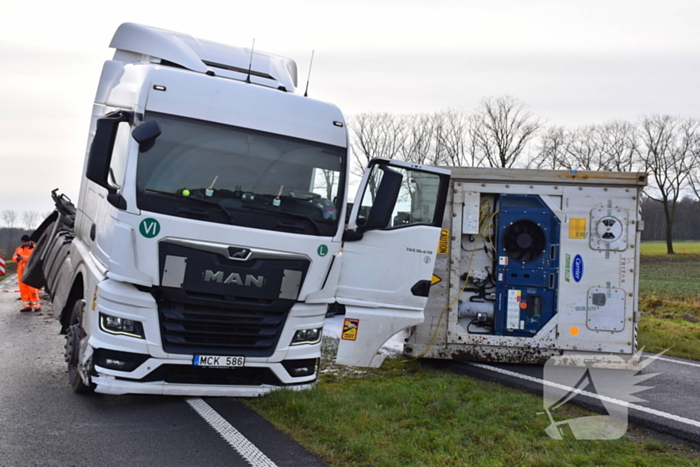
{"points": [[198, 54]]}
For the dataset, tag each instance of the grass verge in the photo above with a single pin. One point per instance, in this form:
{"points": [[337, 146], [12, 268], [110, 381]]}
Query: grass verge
{"points": [[659, 248], [679, 336], [413, 414], [670, 301], [10, 268]]}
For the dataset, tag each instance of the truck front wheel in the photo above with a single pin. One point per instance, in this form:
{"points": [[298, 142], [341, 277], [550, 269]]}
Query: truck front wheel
{"points": [[73, 337]]}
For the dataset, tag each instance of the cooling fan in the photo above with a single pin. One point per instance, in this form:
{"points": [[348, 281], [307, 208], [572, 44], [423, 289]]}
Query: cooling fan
{"points": [[524, 241]]}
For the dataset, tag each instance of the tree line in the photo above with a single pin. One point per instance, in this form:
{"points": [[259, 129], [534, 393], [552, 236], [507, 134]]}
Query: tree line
{"points": [[686, 226], [503, 132], [15, 225]]}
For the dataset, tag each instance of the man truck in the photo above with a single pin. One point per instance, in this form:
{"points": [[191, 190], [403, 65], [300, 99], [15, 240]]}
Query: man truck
{"points": [[208, 239]]}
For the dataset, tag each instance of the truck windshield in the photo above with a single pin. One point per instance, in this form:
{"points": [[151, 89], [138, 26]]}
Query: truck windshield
{"points": [[231, 175]]}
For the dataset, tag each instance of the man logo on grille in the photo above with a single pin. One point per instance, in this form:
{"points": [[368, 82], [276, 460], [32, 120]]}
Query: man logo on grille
{"points": [[233, 278]]}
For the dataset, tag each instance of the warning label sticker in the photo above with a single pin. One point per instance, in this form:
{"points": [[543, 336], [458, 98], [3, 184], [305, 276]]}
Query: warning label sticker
{"points": [[513, 310], [350, 329], [577, 228], [444, 243]]}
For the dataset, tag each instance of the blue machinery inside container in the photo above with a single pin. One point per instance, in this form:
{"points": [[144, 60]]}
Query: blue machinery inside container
{"points": [[527, 265]]}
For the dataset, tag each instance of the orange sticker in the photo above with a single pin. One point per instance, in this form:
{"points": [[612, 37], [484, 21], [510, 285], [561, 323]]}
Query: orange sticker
{"points": [[523, 305], [577, 228], [350, 326]]}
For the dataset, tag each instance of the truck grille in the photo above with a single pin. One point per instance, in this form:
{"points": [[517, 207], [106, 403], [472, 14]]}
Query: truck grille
{"points": [[221, 331], [231, 300]]}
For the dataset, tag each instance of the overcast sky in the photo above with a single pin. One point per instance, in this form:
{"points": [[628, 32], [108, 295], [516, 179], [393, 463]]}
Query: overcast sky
{"points": [[572, 62]]}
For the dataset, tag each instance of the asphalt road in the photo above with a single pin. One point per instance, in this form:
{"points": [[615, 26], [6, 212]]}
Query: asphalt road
{"points": [[43, 423]]}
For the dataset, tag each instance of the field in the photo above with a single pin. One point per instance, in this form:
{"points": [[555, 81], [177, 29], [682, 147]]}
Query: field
{"points": [[681, 248], [410, 413], [669, 289]]}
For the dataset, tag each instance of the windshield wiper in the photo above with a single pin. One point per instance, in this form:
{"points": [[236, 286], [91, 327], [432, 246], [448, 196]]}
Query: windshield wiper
{"points": [[293, 214], [205, 201]]}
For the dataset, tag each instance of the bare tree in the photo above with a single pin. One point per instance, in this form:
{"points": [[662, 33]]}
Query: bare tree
{"points": [[329, 177], [418, 142], [694, 180], [374, 135], [668, 145], [500, 130], [583, 149], [612, 146], [30, 218], [9, 217], [451, 137], [694, 176], [552, 150], [619, 146]]}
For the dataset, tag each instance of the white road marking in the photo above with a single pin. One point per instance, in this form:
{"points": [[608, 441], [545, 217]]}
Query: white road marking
{"points": [[677, 361], [240, 443], [658, 413]]}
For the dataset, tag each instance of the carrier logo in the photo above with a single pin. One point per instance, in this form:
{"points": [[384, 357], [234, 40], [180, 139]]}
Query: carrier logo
{"points": [[577, 268], [233, 278]]}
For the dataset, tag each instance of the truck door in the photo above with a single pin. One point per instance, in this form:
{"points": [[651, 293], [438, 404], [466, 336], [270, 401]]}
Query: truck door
{"points": [[388, 255]]}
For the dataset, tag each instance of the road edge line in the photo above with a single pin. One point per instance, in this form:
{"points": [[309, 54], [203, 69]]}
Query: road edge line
{"points": [[233, 437], [640, 408]]}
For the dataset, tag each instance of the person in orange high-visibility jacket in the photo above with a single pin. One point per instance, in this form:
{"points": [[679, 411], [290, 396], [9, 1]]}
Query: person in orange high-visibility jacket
{"points": [[30, 295]]}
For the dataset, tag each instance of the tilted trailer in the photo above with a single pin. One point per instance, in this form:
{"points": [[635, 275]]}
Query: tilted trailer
{"points": [[534, 264]]}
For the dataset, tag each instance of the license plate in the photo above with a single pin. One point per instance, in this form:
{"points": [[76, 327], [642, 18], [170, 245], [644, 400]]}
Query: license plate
{"points": [[218, 361]]}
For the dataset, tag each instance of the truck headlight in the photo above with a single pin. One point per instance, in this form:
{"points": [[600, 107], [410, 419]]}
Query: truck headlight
{"points": [[121, 326], [307, 336]]}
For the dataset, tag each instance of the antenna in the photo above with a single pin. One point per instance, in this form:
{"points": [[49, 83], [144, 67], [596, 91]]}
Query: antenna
{"points": [[250, 65], [306, 91]]}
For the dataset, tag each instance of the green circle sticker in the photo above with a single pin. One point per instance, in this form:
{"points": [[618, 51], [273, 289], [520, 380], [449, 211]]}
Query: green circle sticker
{"points": [[149, 228], [322, 250]]}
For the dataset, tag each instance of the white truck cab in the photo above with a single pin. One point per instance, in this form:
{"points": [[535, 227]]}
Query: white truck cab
{"points": [[207, 240]]}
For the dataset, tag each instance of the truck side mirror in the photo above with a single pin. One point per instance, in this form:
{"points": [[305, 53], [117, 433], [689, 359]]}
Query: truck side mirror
{"points": [[387, 194], [100, 155], [146, 133]]}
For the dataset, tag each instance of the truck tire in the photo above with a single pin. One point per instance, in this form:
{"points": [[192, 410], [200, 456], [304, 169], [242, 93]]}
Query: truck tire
{"points": [[34, 271], [73, 337]]}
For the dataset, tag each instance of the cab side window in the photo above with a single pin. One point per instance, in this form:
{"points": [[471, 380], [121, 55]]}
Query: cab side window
{"points": [[417, 200], [120, 153]]}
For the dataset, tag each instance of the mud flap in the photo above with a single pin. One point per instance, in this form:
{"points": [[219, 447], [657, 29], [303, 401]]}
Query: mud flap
{"points": [[365, 330]]}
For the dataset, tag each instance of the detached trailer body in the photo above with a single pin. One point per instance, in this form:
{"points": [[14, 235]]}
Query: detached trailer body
{"points": [[534, 264]]}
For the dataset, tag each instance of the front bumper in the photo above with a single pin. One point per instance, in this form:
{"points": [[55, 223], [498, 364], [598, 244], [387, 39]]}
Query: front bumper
{"points": [[110, 385], [178, 376], [160, 372]]}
